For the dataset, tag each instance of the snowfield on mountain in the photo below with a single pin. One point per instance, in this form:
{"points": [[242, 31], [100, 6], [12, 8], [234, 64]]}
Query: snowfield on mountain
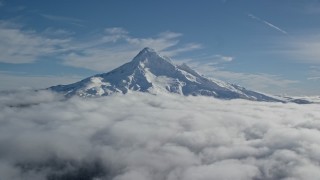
{"points": [[152, 73]]}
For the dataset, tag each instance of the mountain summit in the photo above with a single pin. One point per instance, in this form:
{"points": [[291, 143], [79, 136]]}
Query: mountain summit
{"points": [[152, 73]]}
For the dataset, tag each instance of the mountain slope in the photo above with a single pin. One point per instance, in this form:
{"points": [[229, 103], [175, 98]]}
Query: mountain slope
{"points": [[150, 72]]}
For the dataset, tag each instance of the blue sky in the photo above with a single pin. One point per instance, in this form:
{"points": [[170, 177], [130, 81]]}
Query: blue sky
{"points": [[267, 45]]}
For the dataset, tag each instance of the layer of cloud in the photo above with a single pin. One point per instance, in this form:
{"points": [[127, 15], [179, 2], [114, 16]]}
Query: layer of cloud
{"points": [[140, 136], [22, 81]]}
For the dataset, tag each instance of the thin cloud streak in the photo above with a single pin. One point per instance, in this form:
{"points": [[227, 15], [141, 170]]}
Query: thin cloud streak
{"points": [[301, 48], [314, 78], [61, 18], [273, 84], [71, 20], [268, 23]]}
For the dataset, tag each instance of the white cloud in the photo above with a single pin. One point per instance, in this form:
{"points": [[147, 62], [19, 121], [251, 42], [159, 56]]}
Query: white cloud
{"points": [[224, 58], [116, 30], [20, 46], [314, 73], [116, 47], [102, 52], [141, 136], [217, 59], [186, 48], [314, 78], [208, 60], [114, 34], [21, 98], [169, 35], [226, 169], [304, 48], [273, 84], [20, 81]]}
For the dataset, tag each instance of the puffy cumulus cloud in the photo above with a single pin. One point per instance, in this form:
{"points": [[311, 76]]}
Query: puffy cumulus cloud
{"points": [[141, 136]]}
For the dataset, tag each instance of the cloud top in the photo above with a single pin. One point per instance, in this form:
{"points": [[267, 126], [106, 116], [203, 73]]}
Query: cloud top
{"points": [[142, 136]]}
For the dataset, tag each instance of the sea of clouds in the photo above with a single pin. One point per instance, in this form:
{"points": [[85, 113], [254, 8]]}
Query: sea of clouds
{"points": [[146, 137]]}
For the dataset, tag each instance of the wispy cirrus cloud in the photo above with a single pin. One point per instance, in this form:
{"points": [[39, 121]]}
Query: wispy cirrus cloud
{"points": [[300, 48], [71, 20], [267, 23], [116, 46], [314, 73], [224, 58], [58, 33], [26, 46], [101, 52], [185, 48], [269, 83], [212, 67], [306, 48], [208, 60], [314, 78]]}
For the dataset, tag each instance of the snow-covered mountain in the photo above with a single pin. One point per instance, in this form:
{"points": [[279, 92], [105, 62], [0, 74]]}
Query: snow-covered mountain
{"points": [[152, 73]]}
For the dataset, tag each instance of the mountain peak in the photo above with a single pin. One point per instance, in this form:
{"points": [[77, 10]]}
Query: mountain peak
{"points": [[147, 52], [150, 56], [147, 49], [150, 72]]}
